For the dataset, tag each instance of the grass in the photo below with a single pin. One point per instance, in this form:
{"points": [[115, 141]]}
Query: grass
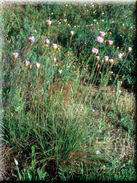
{"points": [[66, 114]]}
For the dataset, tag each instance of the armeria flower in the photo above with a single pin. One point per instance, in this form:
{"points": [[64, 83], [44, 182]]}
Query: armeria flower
{"points": [[100, 39], [27, 63], [15, 55], [120, 55], [102, 34], [95, 50], [38, 65], [49, 22], [60, 71], [97, 152], [32, 39], [55, 46], [47, 41], [129, 49], [110, 42], [72, 33], [106, 58], [16, 162], [97, 57], [55, 60], [111, 61]]}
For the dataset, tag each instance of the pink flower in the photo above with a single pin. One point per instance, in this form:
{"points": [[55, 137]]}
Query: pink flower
{"points": [[129, 49], [95, 50], [100, 39], [102, 34], [110, 42]]}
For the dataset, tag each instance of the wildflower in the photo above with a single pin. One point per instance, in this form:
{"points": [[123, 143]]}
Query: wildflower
{"points": [[95, 50], [55, 60], [102, 34], [110, 42], [65, 20], [100, 39], [27, 63], [106, 58], [72, 33], [120, 55], [55, 46], [60, 71], [32, 39], [15, 55], [111, 61], [16, 162], [47, 41], [129, 49], [97, 57], [37, 65], [49, 22], [97, 152]]}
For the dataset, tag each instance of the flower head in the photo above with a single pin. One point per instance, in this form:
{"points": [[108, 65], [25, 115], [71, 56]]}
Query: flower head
{"points": [[32, 39], [38, 65], [102, 34], [72, 33], [120, 55], [129, 49], [97, 152], [106, 58], [111, 61], [55, 46], [47, 41], [100, 39], [15, 55], [110, 42], [95, 50], [27, 63], [97, 57], [49, 22]]}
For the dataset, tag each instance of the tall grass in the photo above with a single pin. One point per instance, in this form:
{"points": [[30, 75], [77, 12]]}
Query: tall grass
{"points": [[62, 118]]}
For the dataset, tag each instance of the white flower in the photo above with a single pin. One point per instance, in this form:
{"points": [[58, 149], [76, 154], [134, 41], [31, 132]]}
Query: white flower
{"points": [[120, 55], [106, 58], [55, 60], [72, 33], [111, 61], [37, 65], [129, 49], [27, 63], [32, 39], [16, 162], [55, 46], [97, 57], [47, 41], [60, 71], [97, 152], [49, 22], [15, 55]]}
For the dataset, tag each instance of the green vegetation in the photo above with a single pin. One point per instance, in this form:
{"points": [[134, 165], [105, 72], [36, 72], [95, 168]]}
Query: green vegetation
{"points": [[66, 113]]}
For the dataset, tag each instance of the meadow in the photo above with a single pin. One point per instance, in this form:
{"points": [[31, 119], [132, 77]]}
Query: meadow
{"points": [[68, 92]]}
